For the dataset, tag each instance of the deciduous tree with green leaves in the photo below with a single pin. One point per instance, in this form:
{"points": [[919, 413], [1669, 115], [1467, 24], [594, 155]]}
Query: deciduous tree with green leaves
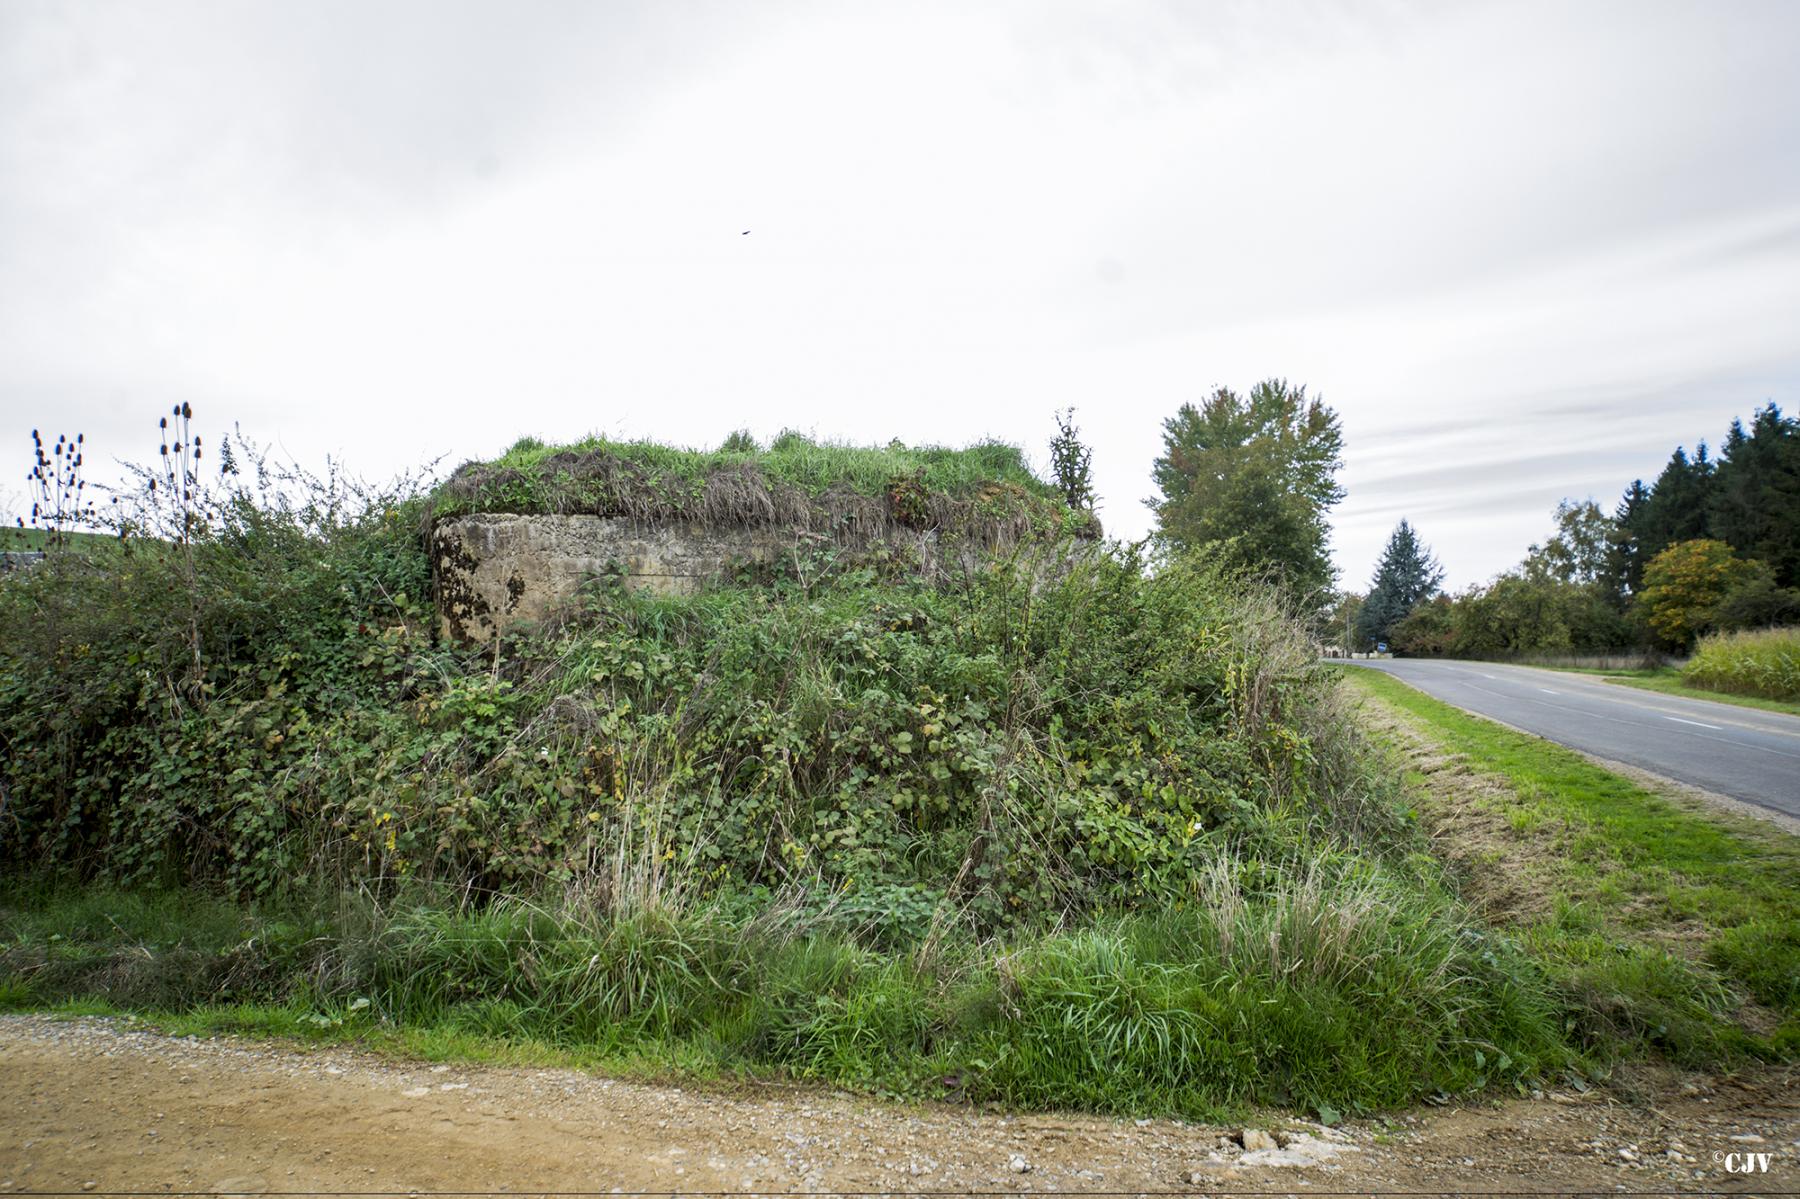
{"points": [[1579, 550], [1252, 477]]}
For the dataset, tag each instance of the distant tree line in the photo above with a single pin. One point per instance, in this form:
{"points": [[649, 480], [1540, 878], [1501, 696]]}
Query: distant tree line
{"points": [[1712, 545]]}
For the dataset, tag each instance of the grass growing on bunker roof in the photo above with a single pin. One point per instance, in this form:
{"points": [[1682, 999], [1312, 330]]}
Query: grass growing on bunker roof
{"points": [[795, 480]]}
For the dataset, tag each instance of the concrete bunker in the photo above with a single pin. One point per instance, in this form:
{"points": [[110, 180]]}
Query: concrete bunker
{"points": [[516, 540]]}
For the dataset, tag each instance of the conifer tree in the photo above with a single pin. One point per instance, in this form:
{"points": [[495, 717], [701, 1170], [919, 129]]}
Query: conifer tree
{"points": [[1754, 505], [1407, 574]]}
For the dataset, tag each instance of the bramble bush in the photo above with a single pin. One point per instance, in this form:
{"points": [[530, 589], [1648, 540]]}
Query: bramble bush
{"points": [[248, 690], [1020, 748]]}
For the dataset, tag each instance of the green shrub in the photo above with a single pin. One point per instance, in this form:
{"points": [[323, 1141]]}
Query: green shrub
{"points": [[1764, 662], [1013, 749]]}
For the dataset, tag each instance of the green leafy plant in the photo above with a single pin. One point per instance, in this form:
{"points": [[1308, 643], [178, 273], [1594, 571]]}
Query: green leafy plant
{"points": [[1071, 463]]}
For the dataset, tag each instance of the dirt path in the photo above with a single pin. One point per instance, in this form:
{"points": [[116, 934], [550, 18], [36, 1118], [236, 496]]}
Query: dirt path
{"points": [[101, 1105]]}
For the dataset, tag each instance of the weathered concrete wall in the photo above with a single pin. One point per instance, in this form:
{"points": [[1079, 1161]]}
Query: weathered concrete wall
{"points": [[494, 570]]}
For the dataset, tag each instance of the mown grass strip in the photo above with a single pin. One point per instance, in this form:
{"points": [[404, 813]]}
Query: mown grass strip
{"points": [[1668, 681], [1634, 865]]}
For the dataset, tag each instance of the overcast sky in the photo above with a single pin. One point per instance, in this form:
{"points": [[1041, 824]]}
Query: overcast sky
{"points": [[1524, 249]]}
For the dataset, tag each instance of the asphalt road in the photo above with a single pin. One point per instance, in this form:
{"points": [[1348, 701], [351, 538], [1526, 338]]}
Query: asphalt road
{"points": [[1744, 753]]}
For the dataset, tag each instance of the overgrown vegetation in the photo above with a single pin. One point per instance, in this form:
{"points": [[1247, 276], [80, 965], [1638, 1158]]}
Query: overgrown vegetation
{"points": [[1764, 663], [1090, 845], [1020, 748], [1104, 840], [1677, 925], [986, 490]]}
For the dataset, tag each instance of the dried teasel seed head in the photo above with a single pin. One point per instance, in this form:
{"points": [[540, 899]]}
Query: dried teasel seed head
{"points": [[163, 423], [187, 410]]}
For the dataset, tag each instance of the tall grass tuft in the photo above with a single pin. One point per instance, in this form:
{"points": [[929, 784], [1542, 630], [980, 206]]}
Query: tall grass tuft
{"points": [[1764, 662], [1313, 983]]}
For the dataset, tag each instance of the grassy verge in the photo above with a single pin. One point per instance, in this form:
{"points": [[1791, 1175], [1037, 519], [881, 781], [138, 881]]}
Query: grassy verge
{"points": [[1328, 986], [1669, 681], [1679, 924]]}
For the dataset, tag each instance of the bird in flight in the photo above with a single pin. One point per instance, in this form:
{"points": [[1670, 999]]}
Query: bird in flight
{"points": [[746, 233]]}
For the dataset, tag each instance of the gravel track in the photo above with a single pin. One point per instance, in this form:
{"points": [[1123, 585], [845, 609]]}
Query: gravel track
{"points": [[102, 1105]]}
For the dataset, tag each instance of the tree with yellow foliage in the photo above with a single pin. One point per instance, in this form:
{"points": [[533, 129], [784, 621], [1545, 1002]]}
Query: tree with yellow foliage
{"points": [[1683, 586]]}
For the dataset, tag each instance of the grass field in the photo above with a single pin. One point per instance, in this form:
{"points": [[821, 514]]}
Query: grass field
{"points": [[14, 538], [1668, 914]]}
